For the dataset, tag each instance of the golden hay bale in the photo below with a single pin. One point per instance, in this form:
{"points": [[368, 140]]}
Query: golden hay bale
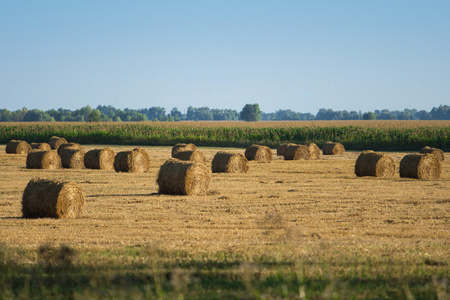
{"points": [[134, 161], [370, 163], [41, 146], [178, 177], [55, 142], [314, 151], [435, 151], [190, 155], [17, 147], [41, 159], [331, 148], [72, 158], [282, 148], [183, 147], [226, 162], [44, 198], [297, 152], [102, 159], [421, 166], [68, 145], [258, 153]]}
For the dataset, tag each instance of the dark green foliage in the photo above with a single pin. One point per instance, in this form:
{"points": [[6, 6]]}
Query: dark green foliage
{"points": [[251, 113]]}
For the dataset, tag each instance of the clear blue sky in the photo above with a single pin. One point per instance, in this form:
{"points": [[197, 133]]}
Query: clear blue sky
{"points": [[299, 55]]}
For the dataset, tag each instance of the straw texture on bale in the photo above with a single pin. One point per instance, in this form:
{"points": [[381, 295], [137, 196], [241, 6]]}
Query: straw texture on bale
{"points": [[435, 151], [133, 161], [314, 151], [102, 159], [68, 145], [183, 147], [41, 146], [297, 152], [420, 166], [190, 155], [333, 149], [17, 147], [282, 148], [178, 177], [258, 153], [44, 198], [41, 159], [370, 163], [72, 158], [227, 162], [55, 142]]}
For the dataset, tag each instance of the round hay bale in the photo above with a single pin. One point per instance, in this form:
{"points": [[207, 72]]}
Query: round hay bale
{"points": [[258, 153], [314, 151], [226, 162], [370, 163], [282, 148], [41, 159], [331, 148], [68, 145], [183, 147], [44, 198], [72, 158], [190, 155], [435, 151], [17, 147], [102, 159], [55, 142], [178, 177], [133, 161], [421, 166], [297, 152], [41, 146]]}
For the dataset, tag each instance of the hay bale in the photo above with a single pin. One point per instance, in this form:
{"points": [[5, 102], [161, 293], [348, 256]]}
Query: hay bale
{"points": [[102, 159], [41, 146], [314, 151], [258, 153], [297, 152], [370, 163], [331, 148], [226, 162], [178, 177], [435, 151], [133, 161], [68, 145], [183, 147], [282, 148], [44, 198], [17, 147], [41, 159], [421, 166], [72, 158], [190, 155], [55, 142]]}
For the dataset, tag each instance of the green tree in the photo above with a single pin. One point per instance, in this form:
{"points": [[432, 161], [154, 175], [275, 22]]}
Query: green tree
{"points": [[369, 116], [251, 113], [95, 116]]}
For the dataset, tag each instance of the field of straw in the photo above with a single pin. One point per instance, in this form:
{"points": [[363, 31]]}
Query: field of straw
{"points": [[285, 229]]}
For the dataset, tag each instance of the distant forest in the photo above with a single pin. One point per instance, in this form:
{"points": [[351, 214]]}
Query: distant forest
{"points": [[104, 113]]}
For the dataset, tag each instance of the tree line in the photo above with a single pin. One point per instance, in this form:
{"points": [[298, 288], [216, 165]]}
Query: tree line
{"points": [[250, 112]]}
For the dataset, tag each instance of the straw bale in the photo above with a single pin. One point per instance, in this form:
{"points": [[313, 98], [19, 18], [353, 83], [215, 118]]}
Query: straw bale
{"points": [[72, 158], [41, 146], [41, 159], [45, 198], [102, 159], [178, 177], [282, 148], [68, 145], [133, 161], [17, 147], [435, 151], [227, 162], [370, 163], [183, 147], [297, 152], [421, 166], [314, 151], [56, 141], [331, 148], [258, 153], [190, 155]]}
